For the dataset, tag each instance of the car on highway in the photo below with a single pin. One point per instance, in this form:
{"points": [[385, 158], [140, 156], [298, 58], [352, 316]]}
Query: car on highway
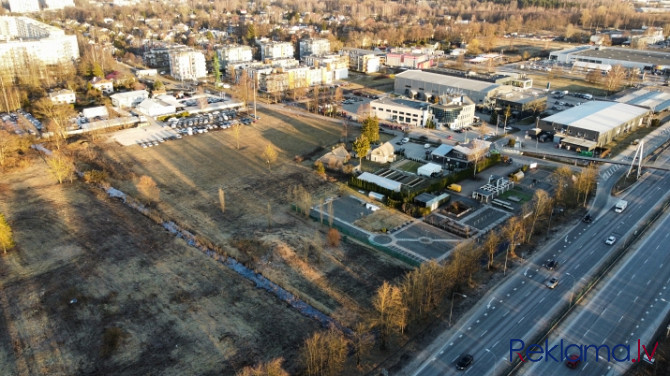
{"points": [[572, 361], [587, 219], [610, 240], [551, 264], [464, 361], [552, 283], [405, 140]]}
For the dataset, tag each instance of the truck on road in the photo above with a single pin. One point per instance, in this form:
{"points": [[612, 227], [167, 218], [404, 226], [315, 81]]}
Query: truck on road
{"points": [[620, 206]]}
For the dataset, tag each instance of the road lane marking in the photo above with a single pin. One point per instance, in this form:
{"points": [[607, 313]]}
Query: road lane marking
{"points": [[483, 333], [519, 322]]}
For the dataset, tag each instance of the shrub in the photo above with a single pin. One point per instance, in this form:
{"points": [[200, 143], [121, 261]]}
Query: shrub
{"points": [[333, 237]]}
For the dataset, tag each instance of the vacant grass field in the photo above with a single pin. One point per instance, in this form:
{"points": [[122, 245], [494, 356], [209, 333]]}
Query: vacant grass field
{"points": [[290, 251], [146, 303]]}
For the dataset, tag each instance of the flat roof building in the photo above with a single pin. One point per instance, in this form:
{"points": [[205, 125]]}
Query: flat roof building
{"points": [[626, 57], [655, 99], [425, 85], [594, 124]]}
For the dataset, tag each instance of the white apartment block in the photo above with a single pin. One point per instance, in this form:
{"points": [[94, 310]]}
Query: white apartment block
{"points": [[276, 50], [337, 64], [314, 46], [234, 54], [24, 41], [63, 96], [24, 6], [187, 64], [58, 4]]}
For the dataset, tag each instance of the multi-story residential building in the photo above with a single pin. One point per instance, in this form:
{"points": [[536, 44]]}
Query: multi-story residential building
{"points": [[234, 54], [24, 6], [276, 50], [57, 4], [337, 64], [314, 46], [26, 42], [187, 64], [365, 61], [63, 96], [158, 57], [274, 82]]}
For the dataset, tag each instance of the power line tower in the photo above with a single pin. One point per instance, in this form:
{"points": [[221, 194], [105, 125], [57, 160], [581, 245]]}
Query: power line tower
{"points": [[639, 153]]}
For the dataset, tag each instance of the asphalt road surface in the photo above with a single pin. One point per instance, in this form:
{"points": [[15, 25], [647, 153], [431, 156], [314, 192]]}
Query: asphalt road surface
{"points": [[521, 307], [629, 306]]}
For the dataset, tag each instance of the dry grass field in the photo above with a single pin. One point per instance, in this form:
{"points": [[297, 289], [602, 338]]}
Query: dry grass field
{"points": [[291, 251], [147, 304]]}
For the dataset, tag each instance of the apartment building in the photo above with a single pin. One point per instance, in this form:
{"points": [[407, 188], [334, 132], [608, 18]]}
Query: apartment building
{"points": [[57, 4], [24, 6], [64, 96], [25, 42], [187, 64], [276, 50], [234, 53], [365, 61], [314, 46], [337, 64]]}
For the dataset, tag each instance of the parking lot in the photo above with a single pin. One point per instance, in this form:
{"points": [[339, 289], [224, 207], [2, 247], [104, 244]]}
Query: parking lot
{"points": [[175, 128]]}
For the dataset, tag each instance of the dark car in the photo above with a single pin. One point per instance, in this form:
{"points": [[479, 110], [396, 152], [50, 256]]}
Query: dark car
{"points": [[573, 361], [464, 362], [587, 219], [551, 264]]}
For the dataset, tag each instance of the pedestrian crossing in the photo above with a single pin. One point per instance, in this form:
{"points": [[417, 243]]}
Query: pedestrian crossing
{"points": [[610, 171]]}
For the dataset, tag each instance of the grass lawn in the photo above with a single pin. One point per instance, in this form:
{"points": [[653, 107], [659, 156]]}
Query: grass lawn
{"points": [[409, 166], [519, 193]]}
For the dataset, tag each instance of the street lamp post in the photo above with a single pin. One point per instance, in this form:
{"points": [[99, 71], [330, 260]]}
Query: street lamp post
{"points": [[506, 254], [451, 311], [549, 224]]}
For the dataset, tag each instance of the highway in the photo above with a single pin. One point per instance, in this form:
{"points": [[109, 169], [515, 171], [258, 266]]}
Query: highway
{"points": [[520, 307], [631, 303]]}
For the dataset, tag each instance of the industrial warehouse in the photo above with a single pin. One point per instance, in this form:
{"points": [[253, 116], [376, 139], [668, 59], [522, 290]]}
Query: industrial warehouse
{"points": [[593, 124]]}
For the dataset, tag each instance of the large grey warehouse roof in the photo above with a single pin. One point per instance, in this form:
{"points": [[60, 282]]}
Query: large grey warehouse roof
{"points": [[628, 54], [416, 105], [440, 79], [598, 116], [656, 100]]}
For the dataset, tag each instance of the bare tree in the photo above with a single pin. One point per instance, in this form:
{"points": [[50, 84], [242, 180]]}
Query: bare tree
{"points": [[6, 235], [513, 232], [270, 155], [540, 205], [237, 128], [333, 238], [361, 341], [61, 166], [148, 189], [586, 181], [325, 353], [391, 312], [478, 152], [268, 214], [615, 78], [491, 246], [8, 142], [57, 116]]}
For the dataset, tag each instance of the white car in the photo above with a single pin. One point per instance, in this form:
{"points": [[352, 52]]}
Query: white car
{"points": [[552, 283], [405, 140], [426, 146], [610, 240]]}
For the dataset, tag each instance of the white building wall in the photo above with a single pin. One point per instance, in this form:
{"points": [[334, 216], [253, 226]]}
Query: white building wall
{"points": [[58, 4], [24, 6]]}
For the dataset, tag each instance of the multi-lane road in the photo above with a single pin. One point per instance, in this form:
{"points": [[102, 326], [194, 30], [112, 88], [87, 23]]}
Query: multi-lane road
{"points": [[631, 303], [522, 306]]}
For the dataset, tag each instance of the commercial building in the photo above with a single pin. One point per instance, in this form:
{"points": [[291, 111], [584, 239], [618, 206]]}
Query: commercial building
{"points": [[425, 85], [593, 124], [365, 61], [155, 107], [656, 99], [410, 61], [276, 50], [25, 42], [129, 98], [24, 6], [63, 96], [522, 103], [403, 111], [234, 53], [626, 57], [454, 113], [187, 64], [314, 46]]}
